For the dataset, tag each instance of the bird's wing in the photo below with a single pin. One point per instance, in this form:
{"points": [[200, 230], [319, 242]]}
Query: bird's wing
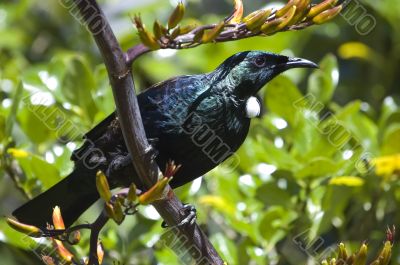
{"points": [[161, 89], [161, 105], [165, 106]]}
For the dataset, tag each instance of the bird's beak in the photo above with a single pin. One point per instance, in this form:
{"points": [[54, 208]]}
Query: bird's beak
{"points": [[298, 63]]}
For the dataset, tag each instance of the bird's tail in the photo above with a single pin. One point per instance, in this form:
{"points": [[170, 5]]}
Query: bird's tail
{"points": [[74, 194]]}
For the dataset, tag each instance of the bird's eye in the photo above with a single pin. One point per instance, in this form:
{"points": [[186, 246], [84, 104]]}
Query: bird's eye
{"points": [[260, 61]]}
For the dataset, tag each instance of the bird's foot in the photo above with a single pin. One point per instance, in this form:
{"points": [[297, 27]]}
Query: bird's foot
{"points": [[153, 141], [151, 152], [191, 216], [120, 162], [190, 219]]}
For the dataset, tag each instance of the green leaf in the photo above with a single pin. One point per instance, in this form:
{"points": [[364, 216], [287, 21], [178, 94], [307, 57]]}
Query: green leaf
{"points": [[322, 84], [391, 140], [393, 117], [350, 126], [309, 141], [35, 167], [390, 112], [2, 127], [16, 238], [225, 247], [104, 97], [270, 194], [277, 156], [334, 203], [45, 172], [363, 130], [274, 222], [280, 96], [63, 162], [11, 119], [37, 117], [166, 256], [77, 84], [349, 110], [318, 167], [257, 256]]}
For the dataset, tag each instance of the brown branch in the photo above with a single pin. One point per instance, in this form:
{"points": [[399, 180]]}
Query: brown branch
{"points": [[123, 87], [95, 228], [133, 53]]}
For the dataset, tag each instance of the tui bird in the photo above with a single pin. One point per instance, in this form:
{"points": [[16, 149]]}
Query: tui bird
{"points": [[198, 121]]}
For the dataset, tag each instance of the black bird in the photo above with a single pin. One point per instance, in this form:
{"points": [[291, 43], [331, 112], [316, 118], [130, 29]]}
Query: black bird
{"points": [[198, 121]]}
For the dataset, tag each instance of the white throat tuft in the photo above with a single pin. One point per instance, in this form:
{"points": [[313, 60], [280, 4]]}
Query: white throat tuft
{"points": [[253, 107]]}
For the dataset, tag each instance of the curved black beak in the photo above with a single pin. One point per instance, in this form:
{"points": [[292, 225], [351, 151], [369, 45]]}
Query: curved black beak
{"points": [[299, 63]]}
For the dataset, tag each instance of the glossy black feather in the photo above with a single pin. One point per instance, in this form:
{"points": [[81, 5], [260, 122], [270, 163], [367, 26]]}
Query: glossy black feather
{"points": [[198, 121]]}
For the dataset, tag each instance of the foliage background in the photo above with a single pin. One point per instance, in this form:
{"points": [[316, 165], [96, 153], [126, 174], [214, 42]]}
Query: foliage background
{"points": [[286, 202]]}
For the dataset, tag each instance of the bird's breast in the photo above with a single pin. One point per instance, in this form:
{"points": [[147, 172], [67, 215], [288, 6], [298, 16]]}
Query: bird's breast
{"points": [[198, 134]]}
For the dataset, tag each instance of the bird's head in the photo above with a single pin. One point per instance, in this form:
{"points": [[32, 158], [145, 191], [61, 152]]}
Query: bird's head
{"points": [[245, 73]]}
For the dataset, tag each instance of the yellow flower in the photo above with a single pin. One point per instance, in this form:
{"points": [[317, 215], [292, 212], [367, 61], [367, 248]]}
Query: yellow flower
{"points": [[30, 230], [217, 202], [18, 153], [157, 192], [386, 165], [350, 181], [58, 221]]}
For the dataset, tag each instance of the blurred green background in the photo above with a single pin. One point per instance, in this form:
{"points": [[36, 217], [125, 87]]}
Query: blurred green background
{"points": [[312, 173]]}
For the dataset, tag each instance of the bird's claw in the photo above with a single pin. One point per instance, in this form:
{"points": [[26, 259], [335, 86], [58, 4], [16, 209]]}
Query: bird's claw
{"points": [[151, 153], [120, 162], [153, 141], [189, 219]]}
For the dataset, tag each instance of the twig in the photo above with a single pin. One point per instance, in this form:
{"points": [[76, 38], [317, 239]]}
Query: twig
{"points": [[134, 53], [295, 15], [94, 236]]}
